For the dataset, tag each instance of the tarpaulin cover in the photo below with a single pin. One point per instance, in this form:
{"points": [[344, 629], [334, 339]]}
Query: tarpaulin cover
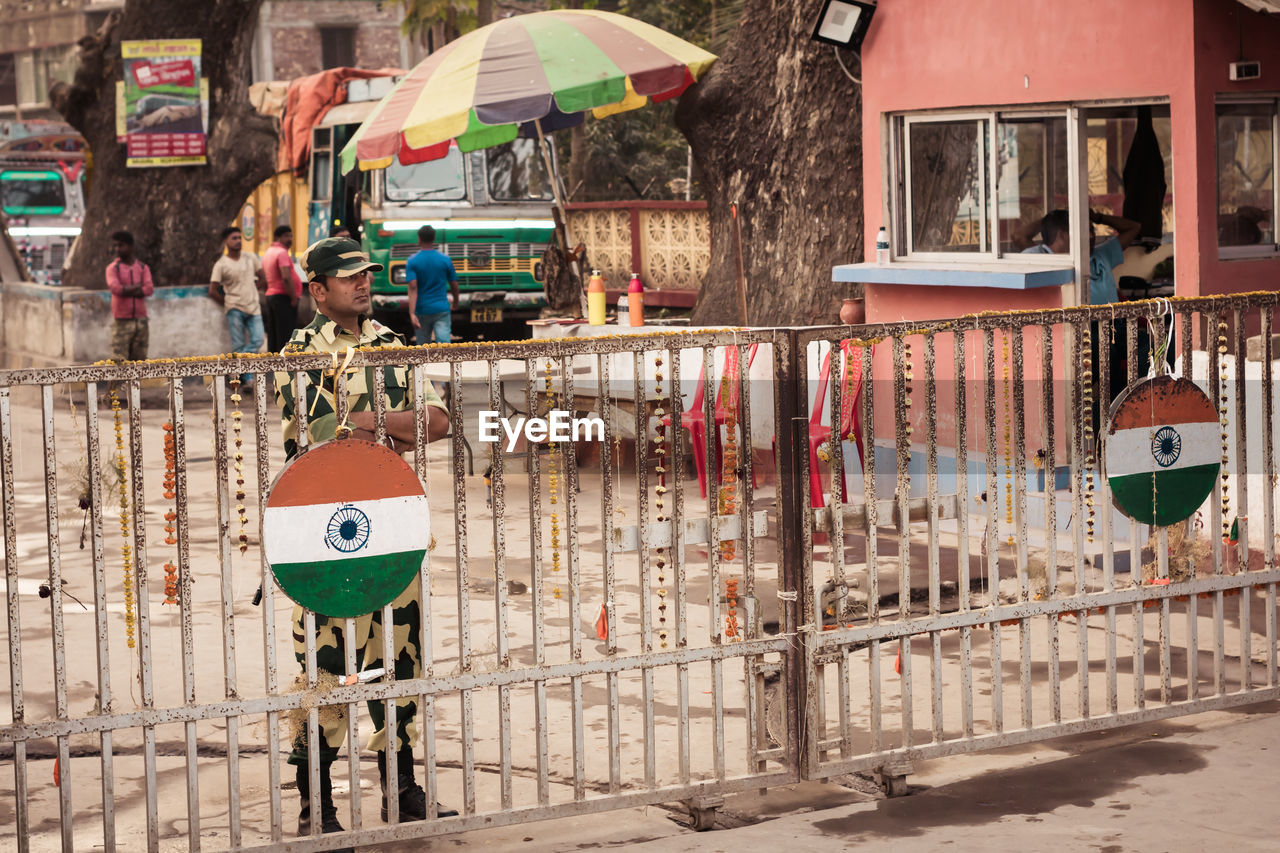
{"points": [[309, 99]]}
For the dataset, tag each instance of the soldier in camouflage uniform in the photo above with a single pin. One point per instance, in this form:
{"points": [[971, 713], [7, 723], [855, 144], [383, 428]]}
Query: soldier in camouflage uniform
{"points": [[338, 276]]}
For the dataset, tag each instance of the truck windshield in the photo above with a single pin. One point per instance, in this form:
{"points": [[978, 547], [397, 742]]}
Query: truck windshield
{"points": [[436, 180], [516, 172], [32, 193]]}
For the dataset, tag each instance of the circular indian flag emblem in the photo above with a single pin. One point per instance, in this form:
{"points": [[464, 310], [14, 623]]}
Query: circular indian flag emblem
{"points": [[346, 527], [1163, 450]]}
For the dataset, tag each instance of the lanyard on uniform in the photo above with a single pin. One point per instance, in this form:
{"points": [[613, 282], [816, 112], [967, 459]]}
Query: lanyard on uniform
{"points": [[351, 351]]}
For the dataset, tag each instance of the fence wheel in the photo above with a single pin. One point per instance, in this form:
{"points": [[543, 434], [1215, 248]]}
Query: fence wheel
{"points": [[702, 812], [893, 778]]}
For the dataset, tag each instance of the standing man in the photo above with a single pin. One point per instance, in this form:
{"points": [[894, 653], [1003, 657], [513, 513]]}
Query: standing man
{"points": [[234, 284], [338, 279], [129, 281], [431, 276], [283, 289]]}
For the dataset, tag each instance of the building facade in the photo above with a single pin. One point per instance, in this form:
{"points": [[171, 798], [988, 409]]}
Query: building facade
{"points": [[294, 38]]}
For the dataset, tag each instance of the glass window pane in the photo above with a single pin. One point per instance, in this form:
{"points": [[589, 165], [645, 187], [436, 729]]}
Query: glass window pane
{"points": [[434, 180], [32, 193], [1032, 179], [321, 175], [947, 174], [1246, 169], [1130, 164], [516, 172]]}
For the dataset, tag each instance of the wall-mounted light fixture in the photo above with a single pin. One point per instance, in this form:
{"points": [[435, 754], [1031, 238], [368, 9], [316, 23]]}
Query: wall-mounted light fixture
{"points": [[843, 23]]}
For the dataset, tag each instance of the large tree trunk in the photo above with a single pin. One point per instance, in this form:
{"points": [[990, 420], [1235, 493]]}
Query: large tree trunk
{"points": [[777, 126], [175, 214]]}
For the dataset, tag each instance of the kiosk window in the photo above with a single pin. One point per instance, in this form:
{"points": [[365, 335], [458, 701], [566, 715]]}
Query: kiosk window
{"points": [[1246, 177], [975, 186]]}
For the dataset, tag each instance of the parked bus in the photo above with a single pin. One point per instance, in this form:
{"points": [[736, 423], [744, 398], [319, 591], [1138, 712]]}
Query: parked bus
{"points": [[42, 173], [491, 210]]}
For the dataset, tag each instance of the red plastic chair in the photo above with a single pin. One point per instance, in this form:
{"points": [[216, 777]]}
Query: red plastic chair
{"points": [[694, 420], [850, 422]]}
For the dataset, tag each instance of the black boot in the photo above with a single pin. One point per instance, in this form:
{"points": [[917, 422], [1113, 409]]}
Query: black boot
{"points": [[413, 800], [328, 812]]}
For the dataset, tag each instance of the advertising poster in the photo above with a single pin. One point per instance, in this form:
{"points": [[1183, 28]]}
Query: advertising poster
{"points": [[163, 109]]}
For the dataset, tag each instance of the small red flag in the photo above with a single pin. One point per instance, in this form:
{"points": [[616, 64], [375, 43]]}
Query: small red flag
{"points": [[897, 663], [602, 624], [57, 776]]}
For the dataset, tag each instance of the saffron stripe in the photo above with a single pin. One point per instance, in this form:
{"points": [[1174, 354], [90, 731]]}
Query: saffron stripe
{"points": [[363, 472]]}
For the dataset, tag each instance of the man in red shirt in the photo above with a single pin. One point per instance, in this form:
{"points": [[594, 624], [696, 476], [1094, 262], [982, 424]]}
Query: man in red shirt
{"points": [[283, 289], [129, 281]]}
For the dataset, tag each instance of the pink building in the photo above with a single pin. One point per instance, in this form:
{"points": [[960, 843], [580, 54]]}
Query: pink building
{"points": [[979, 118]]}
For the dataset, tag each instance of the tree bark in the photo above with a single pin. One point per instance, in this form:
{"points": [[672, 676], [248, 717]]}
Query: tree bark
{"points": [[777, 126], [175, 214]]}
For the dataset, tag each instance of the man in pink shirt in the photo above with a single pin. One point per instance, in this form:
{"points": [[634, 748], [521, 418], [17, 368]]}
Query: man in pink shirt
{"points": [[129, 281], [283, 289]]}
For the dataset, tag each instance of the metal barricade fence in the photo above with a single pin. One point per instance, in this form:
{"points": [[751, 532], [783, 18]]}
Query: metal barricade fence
{"points": [[577, 621], [575, 660], [980, 543]]}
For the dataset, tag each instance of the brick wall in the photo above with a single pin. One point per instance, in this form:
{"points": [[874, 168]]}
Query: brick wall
{"points": [[294, 31]]}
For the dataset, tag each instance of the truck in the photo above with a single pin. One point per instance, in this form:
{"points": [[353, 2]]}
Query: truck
{"points": [[491, 210], [42, 173]]}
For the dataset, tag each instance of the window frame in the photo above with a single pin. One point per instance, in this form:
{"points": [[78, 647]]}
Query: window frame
{"points": [[488, 182], [1260, 250], [900, 210], [321, 148]]}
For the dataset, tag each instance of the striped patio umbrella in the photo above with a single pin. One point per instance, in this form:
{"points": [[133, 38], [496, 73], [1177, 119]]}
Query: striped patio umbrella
{"points": [[523, 76]]}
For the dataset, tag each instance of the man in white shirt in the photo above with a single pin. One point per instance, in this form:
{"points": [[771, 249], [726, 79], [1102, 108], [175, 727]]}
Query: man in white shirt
{"points": [[235, 283]]}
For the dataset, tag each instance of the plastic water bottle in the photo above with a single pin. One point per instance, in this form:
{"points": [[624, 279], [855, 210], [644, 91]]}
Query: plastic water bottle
{"points": [[882, 246]]}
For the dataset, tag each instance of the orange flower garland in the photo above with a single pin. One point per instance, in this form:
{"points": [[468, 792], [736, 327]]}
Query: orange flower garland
{"points": [[126, 550]]}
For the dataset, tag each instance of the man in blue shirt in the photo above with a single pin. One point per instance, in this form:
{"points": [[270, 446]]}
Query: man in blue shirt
{"points": [[1104, 256], [431, 276]]}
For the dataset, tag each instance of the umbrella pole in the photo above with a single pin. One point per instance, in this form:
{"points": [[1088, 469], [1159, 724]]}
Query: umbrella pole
{"points": [[562, 220], [554, 175]]}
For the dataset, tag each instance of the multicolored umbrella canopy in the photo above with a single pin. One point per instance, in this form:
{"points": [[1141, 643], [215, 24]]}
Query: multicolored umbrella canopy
{"points": [[508, 79]]}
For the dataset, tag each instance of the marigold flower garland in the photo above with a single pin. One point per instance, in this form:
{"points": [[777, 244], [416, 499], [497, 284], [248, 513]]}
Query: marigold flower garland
{"points": [[237, 418], [1086, 391], [553, 493], [126, 550], [1222, 420], [660, 490], [170, 570]]}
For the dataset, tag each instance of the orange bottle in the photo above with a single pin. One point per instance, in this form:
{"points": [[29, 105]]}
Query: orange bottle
{"points": [[635, 300]]}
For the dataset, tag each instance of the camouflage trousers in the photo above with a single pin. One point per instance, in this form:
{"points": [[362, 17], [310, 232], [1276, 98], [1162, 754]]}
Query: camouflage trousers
{"points": [[331, 656], [130, 339]]}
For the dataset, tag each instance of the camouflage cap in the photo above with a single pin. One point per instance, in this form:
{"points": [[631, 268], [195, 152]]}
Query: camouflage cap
{"points": [[336, 256]]}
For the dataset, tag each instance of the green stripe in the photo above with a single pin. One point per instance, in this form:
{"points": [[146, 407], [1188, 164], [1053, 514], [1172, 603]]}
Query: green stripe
{"points": [[478, 136], [580, 75], [1164, 498], [352, 587]]}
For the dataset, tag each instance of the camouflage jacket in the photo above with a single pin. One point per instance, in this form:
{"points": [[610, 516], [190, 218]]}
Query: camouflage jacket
{"points": [[324, 335]]}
